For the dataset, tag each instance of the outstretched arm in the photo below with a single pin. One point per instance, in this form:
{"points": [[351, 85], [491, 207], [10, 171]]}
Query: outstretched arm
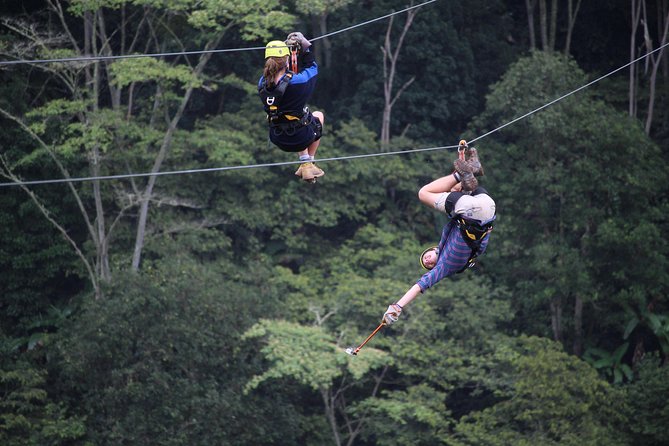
{"points": [[429, 193], [409, 296], [393, 312]]}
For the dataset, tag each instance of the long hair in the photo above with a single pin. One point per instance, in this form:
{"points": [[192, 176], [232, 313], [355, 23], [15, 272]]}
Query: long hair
{"points": [[273, 65]]}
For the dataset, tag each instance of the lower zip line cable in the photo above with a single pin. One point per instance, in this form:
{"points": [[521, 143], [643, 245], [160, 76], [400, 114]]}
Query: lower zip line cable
{"points": [[216, 169]]}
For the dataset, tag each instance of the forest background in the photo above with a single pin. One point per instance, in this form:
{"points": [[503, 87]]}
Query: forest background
{"points": [[213, 308]]}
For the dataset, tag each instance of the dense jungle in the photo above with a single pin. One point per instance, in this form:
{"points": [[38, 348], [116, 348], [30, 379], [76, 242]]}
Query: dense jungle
{"points": [[168, 280]]}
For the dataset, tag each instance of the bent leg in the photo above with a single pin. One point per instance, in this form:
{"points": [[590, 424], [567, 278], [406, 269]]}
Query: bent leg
{"points": [[429, 193], [313, 147], [309, 171]]}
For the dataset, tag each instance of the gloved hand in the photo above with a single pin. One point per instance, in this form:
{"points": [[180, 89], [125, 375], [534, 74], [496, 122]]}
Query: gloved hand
{"points": [[299, 38], [392, 314]]}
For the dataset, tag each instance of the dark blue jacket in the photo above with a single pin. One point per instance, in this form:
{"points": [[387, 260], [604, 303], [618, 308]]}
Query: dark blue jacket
{"points": [[294, 100]]}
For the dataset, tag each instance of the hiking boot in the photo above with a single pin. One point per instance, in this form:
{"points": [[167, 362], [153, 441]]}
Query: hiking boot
{"points": [[466, 172], [306, 171], [462, 167], [317, 171], [474, 162]]}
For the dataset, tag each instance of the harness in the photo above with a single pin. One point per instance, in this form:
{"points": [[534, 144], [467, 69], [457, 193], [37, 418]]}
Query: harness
{"points": [[473, 233], [286, 121]]}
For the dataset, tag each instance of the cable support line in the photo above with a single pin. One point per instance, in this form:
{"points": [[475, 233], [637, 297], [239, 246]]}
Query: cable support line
{"points": [[215, 169], [373, 20], [194, 52], [568, 94]]}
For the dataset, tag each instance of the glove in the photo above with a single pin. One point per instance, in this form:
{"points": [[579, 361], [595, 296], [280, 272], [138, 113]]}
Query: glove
{"points": [[300, 39], [392, 314]]}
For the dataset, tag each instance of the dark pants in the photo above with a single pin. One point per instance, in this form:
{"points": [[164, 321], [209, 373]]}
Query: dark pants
{"points": [[296, 137]]}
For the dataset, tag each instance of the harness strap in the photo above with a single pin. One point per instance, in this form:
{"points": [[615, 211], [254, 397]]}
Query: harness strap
{"points": [[272, 99], [473, 233]]}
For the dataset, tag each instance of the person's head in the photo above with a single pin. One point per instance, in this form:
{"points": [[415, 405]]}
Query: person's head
{"points": [[428, 258], [276, 59]]}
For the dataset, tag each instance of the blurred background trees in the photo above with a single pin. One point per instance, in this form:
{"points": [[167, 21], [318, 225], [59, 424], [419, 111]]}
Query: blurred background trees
{"points": [[214, 308]]}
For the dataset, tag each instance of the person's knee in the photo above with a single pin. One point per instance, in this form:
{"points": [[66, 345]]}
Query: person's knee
{"points": [[423, 194], [427, 197]]}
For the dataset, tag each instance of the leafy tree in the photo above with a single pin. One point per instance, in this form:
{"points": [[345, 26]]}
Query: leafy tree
{"points": [[159, 362], [553, 398], [310, 357], [569, 188], [121, 114], [29, 415], [647, 406], [452, 67]]}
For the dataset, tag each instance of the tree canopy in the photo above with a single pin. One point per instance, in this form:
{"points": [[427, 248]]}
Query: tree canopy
{"points": [[140, 306]]}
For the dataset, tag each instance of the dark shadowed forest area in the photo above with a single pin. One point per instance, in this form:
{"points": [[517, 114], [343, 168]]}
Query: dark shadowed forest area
{"points": [[168, 280]]}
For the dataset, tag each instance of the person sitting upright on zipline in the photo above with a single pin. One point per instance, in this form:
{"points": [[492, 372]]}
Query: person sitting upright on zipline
{"points": [[464, 237], [284, 94]]}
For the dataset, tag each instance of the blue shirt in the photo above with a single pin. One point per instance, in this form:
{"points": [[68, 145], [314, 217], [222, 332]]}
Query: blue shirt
{"points": [[453, 255]]}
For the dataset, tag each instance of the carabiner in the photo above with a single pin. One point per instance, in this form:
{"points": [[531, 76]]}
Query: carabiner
{"points": [[461, 149]]}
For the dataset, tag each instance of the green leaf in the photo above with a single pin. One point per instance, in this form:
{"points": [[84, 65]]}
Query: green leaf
{"points": [[146, 69], [631, 325], [619, 353]]}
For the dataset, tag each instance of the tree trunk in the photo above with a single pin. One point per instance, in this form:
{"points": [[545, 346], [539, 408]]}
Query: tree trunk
{"points": [[529, 6], [572, 13], [655, 60], [543, 25], [556, 318], [323, 51], [330, 415], [93, 82], [636, 12], [553, 25], [162, 154], [578, 326], [390, 59]]}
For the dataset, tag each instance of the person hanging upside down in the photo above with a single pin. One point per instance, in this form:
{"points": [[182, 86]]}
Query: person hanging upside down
{"points": [[284, 94], [463, 238]]}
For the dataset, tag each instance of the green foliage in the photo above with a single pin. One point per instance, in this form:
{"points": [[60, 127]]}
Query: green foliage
{"points": [[159, 361], [574, 201], [144, 69], [28, 415], [255, 17], [554, 398], [647, 404], [658, 324], [253, 283], [611, 363], [307, 355], [412, 417]]}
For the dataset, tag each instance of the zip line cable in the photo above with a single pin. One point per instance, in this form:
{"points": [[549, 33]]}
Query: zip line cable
{"points": [[217, 169], [341, 158], [189, 53], [570, 93], [320, 160]]}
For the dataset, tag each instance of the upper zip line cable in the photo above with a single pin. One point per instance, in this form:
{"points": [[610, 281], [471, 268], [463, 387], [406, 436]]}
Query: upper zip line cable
{"points": [[189, 53], [369, 155], [320, 160]]}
